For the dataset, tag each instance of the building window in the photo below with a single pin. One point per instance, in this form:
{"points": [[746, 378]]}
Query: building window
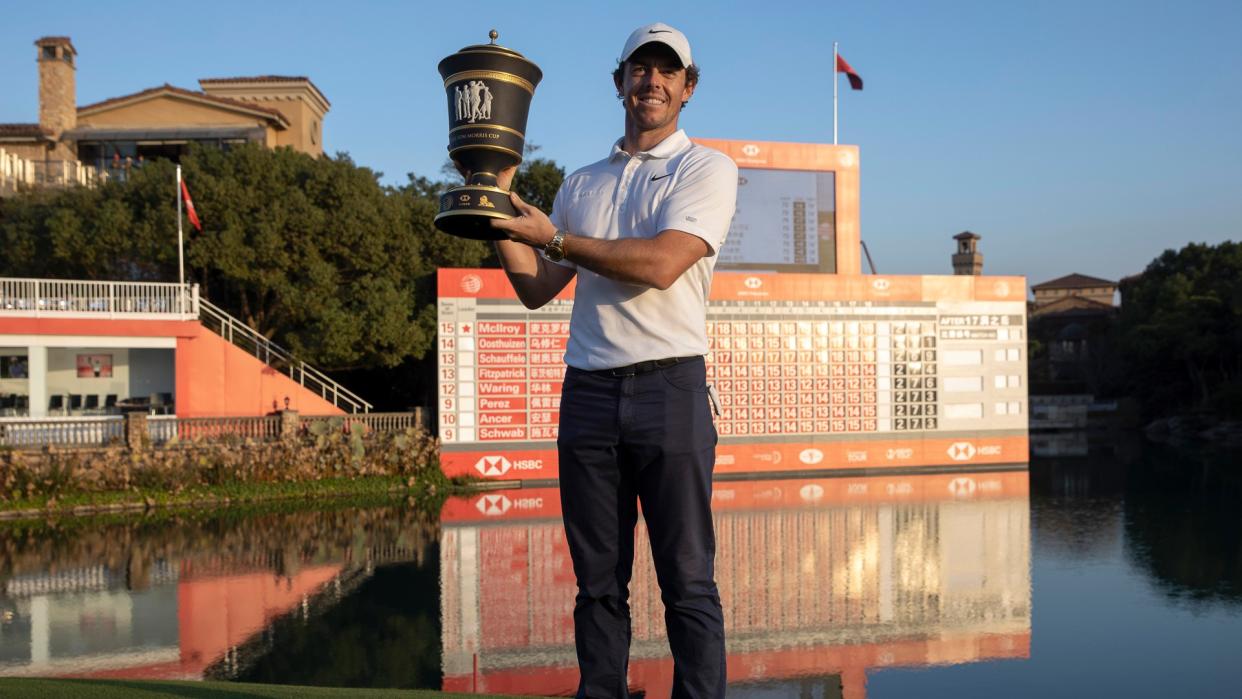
{"points": [[48, 52], [13, 367], [314, 132]]}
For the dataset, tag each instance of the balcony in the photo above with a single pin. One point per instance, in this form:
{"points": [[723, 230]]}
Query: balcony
{"points": [[20, 174]]}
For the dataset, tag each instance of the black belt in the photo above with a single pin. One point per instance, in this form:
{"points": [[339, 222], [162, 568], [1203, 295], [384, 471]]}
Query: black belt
{"points": [[644, 367]]}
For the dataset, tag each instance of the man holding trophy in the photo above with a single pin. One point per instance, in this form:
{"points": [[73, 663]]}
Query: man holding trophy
{"points": [[640, 229]]}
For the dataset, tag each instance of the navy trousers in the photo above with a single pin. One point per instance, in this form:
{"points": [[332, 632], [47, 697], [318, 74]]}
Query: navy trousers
{"points": [[645, 438]]}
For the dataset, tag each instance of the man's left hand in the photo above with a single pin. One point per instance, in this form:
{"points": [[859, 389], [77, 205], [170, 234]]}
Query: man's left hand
{"points": [[531, 226]]}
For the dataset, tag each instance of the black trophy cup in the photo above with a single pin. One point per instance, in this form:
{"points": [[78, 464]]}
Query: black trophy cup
{"points": [[489, 91]]}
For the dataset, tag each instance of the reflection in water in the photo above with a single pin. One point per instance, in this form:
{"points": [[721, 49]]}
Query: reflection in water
{"points": [[821, 578], [1136, 552], [167, 599]]}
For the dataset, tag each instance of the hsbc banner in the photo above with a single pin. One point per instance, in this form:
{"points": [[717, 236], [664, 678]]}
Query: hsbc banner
{"points": [[813, 372], [747, 495]]}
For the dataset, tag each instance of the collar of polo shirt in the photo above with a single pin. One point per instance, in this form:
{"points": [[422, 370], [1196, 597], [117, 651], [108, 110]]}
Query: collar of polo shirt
{"points": [[667, 148]]}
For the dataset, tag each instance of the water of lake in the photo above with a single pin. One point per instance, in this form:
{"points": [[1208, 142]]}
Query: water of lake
{"points": [[1118, 573]]}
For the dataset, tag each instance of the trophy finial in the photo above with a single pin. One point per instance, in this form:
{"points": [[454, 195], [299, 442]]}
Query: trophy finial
{"points": [[493, 35]]}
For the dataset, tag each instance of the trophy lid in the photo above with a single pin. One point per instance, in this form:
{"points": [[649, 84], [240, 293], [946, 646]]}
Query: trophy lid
{"points": [[493, 47], [451, 63]]}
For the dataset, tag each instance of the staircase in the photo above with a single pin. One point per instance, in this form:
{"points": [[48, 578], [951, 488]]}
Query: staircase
{"points": [[218, 321]]}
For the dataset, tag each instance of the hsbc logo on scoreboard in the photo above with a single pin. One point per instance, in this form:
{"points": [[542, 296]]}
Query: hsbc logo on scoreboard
{"points": [[752, 282], [881, 284], [811, 492], [811, 456], [472, 283], [493, 505], [750, 150], [961, 451], [493, 465], [497, 504], [962, 487]]}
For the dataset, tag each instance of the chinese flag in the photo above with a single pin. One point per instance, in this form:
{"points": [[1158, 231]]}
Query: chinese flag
{"points": [[843, 67], [189, 208]]}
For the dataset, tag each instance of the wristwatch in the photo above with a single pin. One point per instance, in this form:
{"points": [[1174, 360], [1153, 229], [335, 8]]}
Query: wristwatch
{"points": [[555, 249]]}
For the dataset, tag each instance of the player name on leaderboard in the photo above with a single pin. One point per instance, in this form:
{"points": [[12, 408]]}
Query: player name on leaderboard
{"points": [[811, 371]]}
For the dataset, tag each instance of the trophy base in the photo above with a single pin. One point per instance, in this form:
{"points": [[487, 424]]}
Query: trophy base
{"points": [[467, 212]]}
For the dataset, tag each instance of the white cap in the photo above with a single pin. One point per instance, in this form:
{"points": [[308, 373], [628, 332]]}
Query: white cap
{"points": [[661, 33]]}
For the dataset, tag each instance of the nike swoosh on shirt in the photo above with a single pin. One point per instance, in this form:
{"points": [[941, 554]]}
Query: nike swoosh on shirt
{"points": [[660, 177]]}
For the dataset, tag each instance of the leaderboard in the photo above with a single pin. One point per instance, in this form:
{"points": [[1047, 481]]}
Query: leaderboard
{"points": [[813, 372], [778, 221]]}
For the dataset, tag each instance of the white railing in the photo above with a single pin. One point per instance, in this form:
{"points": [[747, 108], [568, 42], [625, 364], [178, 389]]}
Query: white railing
{"points": [[262, 428], [18, 173], [218, 321], [86, 299], [39, 298], [94, 431], [373, 422]]}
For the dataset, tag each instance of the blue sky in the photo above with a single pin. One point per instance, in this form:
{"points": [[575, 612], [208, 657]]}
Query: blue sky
{"points": [[1073, 136]]}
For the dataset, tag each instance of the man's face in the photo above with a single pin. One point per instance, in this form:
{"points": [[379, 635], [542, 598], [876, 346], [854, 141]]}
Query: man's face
{"points": [[653, 87]]}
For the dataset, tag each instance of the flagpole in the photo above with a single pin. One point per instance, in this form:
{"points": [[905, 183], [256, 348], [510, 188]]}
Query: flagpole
{"points": [[834, 93], [180, 249]]}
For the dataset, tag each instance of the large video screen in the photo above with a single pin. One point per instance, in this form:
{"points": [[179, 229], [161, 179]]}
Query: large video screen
{"points": [[785, 222]]}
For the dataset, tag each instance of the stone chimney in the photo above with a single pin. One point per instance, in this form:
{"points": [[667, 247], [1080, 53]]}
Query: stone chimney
{"points": [[58, 98], [967, 260]]}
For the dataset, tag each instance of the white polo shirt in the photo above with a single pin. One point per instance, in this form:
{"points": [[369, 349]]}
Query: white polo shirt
{"points": [[676, 185]]}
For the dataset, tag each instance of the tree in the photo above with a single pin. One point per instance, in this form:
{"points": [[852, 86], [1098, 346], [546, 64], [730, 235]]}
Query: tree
{"points": [[313, 253], [1181, 328]]}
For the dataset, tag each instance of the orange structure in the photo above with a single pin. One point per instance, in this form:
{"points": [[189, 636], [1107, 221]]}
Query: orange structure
{"points": [[817, 366], [74, 348]]}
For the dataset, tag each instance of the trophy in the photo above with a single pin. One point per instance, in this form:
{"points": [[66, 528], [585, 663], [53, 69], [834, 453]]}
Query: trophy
{"points": [[489, 90]]}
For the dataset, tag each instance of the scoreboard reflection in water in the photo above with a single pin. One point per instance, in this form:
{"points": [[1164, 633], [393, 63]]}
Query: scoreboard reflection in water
{"points": [[814, 372]]}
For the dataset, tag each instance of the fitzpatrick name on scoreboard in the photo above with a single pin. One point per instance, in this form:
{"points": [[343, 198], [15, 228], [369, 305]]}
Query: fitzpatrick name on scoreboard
{"points": [[814, 373]]}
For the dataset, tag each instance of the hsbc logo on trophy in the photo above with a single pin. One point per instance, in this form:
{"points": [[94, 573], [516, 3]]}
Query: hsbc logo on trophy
{"points": [[750, 150], [493, 465], [753, 282], [961, 451], [493, 505], [472, 283]]}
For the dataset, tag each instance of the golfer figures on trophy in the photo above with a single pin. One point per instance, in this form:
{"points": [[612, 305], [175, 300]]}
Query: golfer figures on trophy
{"points": [[489, 88]]}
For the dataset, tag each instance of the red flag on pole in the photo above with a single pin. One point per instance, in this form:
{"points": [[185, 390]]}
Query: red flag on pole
{"points": [[189, 208], [843, 67]]}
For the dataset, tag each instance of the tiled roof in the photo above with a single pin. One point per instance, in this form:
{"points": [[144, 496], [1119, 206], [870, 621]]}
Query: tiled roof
{"points": [[23, 131], [258, 79], [166, 88], [53, 40], [264, 79], [1073, 281]]}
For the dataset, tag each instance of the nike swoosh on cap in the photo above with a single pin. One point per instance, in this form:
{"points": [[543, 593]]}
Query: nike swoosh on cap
{"points": [[658, 31]]}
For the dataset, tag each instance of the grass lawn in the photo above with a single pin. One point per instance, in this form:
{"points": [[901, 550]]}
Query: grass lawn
{"points": [[149, 689]]}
